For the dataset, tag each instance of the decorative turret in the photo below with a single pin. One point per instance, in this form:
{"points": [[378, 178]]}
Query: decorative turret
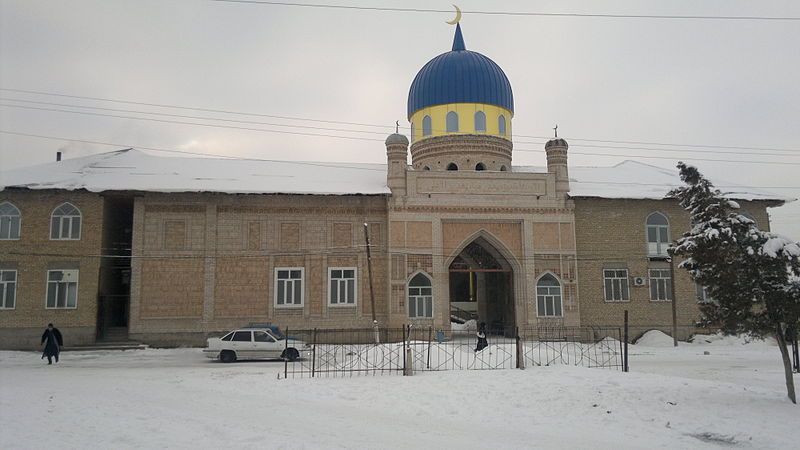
{"points": [[396, 156], [556, 150]]}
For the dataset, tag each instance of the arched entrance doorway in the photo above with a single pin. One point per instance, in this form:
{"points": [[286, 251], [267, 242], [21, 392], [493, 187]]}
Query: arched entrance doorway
{"points": [[481, 287]]}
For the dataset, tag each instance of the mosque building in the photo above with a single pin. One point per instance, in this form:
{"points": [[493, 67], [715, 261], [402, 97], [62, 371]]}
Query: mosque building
{"points": [[167, 251]]}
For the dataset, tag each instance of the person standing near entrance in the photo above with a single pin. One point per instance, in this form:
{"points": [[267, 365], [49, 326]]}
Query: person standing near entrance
{"points": [[52, 341], [482, 342]]}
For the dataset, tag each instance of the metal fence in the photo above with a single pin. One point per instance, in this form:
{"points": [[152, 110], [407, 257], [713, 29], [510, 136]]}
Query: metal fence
{"points": [[393, 351]]}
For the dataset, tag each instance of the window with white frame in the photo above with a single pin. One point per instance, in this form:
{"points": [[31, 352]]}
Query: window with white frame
{"points": [[660, 284], [65, 223], [9, 221], [615, 282], [289, 287], [8, 289], [657, 234], [62, 289], [702, 295], [342, 289], [420, 297], [548, 297]]}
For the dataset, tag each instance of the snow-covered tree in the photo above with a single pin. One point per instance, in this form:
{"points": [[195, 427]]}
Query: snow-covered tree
{"points": [[750, 276]]}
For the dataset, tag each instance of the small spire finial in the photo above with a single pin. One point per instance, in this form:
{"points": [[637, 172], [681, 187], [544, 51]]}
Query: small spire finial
{"points": [[555, 129], [397, 126]]}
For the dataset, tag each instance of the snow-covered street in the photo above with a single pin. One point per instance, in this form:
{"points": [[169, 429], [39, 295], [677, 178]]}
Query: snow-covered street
{"points": [[672, 398]]}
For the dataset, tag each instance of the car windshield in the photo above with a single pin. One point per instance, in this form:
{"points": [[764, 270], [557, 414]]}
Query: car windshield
{"points": [[277, 333]]}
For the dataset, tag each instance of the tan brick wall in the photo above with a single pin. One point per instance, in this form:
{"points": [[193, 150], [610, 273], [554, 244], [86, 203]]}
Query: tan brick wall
{"points": [[172, 287], [244, 238], [611, 234], [456, 233], [34, 254]]}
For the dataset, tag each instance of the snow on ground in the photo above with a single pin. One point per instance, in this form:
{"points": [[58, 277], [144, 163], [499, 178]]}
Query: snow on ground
{"points": [[155, 398]]}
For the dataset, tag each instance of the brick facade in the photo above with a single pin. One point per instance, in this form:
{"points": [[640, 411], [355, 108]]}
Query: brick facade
{"points": [[34, 254]]}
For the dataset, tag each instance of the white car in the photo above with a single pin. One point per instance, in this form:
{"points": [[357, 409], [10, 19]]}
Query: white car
{"points": [[256, 343]]}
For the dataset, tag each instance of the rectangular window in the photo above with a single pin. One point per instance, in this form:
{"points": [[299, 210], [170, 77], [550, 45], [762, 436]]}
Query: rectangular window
{"points": [[65, 227], [702, 295], [660, 285], [9, 227], [8, 289], [548, 300], [657, 240], [342, 286], [615, 283], [62, 289], [420, 302], [289, 287]]}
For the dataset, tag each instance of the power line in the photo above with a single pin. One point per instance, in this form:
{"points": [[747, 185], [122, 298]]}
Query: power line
{"points": [[212, 155], [161, 149], [388, 127], [781, 163], [512, 13], [68, 105]]}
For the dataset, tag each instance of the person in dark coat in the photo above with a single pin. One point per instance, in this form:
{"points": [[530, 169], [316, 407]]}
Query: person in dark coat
{"points": [[52, 341], [482, 342]]}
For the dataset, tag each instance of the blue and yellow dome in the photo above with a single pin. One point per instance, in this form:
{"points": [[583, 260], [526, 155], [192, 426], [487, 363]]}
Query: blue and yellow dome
{"points": [[466, 83]]}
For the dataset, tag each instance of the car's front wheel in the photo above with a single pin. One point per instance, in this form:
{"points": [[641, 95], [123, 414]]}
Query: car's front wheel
{"points": [[227, 356], [290, 354]]}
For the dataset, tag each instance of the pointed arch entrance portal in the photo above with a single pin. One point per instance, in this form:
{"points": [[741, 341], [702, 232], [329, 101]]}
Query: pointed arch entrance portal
{"points": [[481, 287]]}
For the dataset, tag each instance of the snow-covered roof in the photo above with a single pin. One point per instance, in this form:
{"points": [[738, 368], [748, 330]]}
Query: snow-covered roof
{"points": [[136, 170], [636, 180], [139, 171]]}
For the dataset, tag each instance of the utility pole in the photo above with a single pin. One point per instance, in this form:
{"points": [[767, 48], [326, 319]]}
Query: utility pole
{"points": [[674, 302], [371, 289]]}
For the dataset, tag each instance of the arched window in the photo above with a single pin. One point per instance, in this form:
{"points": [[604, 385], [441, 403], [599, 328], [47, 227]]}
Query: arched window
{"points": [[420, 297], [452, 122], [548, 296], [480, 166], [427, 127], [65, 223], [9, 221], [426, 168], [501, 125], [503, 168], [452, 166], [480, 122], [657, 234]]}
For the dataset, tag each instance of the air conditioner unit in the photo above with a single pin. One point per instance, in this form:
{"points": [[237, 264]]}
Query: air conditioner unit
{"points": [[639, 281]]}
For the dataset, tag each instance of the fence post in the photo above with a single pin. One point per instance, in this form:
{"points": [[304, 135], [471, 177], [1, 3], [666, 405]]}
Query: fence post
{"points": [[625, 345], [286, 354], [404, 350], [430, 338], [313, 352], [520, 351], [795, 349]]}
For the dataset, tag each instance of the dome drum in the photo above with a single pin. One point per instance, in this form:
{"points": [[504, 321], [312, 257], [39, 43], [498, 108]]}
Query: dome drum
{"points": [[466, 151]]}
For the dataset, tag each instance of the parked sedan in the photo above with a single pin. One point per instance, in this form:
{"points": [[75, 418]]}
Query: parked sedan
{"points": [[256, 343]]}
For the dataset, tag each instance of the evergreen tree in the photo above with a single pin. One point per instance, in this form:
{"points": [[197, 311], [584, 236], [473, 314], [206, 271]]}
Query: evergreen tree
{"points": [[751, 277]]}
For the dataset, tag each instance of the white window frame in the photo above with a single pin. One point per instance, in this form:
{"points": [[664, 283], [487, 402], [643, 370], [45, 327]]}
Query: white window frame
{"points": [[615, 278], [10, 219], [342, 282], [302, 281], [50, 284], [551, 296], [663, 283], [657, 248], [419, 298], [3, 289], [64, 219]]}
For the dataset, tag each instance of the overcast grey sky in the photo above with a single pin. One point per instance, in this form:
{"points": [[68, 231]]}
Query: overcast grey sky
{"points": [[722, 83]]}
